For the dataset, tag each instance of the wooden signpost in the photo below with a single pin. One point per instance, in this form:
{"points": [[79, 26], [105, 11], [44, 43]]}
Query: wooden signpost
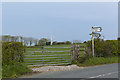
{"points": [[95, 34]]}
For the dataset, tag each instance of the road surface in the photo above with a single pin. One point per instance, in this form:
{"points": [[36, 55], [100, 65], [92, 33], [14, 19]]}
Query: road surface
{"points": [[103, 71]]}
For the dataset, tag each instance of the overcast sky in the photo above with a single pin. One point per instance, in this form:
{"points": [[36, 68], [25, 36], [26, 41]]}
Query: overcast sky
{"points": [[65, 21]]}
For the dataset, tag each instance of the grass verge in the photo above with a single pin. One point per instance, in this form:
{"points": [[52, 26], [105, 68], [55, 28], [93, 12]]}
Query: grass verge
{"points": [[15, 70], [97, 61]]}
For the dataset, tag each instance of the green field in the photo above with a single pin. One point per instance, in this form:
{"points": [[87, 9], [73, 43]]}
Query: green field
{"points": [[58, 45]]}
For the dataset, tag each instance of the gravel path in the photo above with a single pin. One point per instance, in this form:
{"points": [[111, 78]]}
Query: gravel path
{"points": [[55, 68]]}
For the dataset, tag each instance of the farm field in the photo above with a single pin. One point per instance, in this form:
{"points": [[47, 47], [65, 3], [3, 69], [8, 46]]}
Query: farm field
{"points": [[50, 55]]}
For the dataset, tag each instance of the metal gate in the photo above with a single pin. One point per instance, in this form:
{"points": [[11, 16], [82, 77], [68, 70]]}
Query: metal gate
{"points": [[48, 56]]}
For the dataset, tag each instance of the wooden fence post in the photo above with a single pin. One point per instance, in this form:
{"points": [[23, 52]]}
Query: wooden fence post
{"points": [[42, 55], [73, 52], [78, 49]]}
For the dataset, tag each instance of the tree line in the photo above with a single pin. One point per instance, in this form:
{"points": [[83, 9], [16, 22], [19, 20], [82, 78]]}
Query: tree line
{"points": [[25, 40], [30, 41]]}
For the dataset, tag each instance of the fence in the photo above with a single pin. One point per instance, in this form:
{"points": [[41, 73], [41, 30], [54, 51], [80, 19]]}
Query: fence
{"points": [[78, 52]]}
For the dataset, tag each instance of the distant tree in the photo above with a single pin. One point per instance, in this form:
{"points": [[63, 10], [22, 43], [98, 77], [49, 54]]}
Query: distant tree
{"points": [[35, 41], [3, 38], [17, 39], [21, 38], [31, 40], [118, 38], [25, 41], [59, 43], [68, 42], [55, 42], [85, 42], [48, 43], [12, 38], [42, 42], [6, 38]]}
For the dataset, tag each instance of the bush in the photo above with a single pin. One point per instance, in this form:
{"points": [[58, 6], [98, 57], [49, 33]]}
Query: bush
{"points": [[54, 43], [12, 60], [99, 61], [84, 42], [68, 42], [104, 48], [12, 71], [42, 42], [59, 43], [12, 52]]}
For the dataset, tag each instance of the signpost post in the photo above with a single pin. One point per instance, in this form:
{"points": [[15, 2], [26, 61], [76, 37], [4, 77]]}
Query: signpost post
{"points": [[94, 34]]}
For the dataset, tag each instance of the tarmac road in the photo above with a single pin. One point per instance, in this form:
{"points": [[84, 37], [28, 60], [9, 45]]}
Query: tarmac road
{"points": [[103, 71]]}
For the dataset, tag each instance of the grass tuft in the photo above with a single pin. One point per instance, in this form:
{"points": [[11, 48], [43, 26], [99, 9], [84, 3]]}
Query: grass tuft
{"points": [[99, 61], [13, 71]]}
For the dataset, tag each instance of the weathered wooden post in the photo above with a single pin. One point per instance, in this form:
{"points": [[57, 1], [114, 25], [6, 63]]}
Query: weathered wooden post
{"points": [[42, 54], [78, 49], [73, 52]]}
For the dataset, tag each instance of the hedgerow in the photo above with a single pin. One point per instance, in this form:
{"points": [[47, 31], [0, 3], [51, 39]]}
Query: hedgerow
{"points": [[12, 52], [104, 48], [13, 60]]}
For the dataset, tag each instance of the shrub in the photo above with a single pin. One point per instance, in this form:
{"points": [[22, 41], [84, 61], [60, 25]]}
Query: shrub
{"points": [[15, 70], [104, 48], [99, 61], [12, 60], [42, 42], [12, 52], [54, 43], [68, 42], [59, 43], [84, 42]]}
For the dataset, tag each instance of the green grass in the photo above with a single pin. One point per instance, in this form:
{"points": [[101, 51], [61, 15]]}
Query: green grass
{"points": [[99, 61], [15, 70], [81, 44], [32, 49], [62, 45], [57, 49], [45, 57]]}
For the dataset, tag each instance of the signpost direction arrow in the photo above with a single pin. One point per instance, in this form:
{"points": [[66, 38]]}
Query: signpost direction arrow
{"points": [[96, 29], [96, 35]]}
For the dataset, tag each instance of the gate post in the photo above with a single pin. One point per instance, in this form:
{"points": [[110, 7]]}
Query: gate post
{"points": [[78, 49], [42, 55], [73, 52]]}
